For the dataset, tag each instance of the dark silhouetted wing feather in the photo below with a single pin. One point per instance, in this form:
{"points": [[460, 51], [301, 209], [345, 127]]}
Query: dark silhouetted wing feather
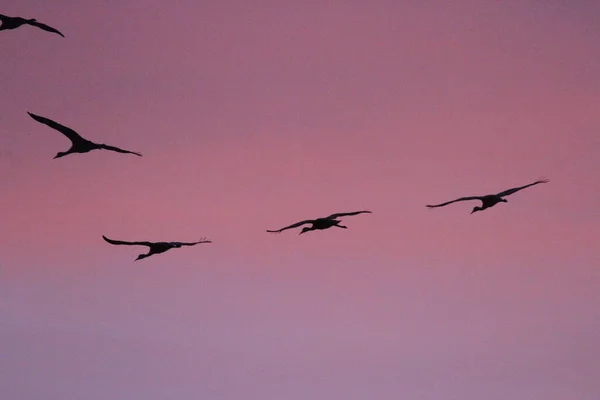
{"points": [[334, 216], [513, 190], [117, 242], [68, 132], [308, 221], [454, 201], [45, 27], [113, 148], [203, 240]]}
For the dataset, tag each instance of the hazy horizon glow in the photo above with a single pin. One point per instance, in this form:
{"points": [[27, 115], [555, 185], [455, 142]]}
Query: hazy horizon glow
{"points": [[254, 115]]}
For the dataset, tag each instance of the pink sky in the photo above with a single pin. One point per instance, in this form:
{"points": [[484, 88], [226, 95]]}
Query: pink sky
{"points": [[252, 115]]}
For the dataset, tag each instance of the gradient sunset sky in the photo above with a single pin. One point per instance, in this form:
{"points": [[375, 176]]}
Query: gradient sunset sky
{"points": [[252, 115]]}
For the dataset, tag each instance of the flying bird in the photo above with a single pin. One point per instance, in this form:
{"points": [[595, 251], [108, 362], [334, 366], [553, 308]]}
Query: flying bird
{"points": [[15, 22], [320, 223], [155, 247], [78, 143], [490, 200]]}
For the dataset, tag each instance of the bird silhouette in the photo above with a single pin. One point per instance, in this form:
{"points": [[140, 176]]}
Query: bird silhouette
{"points": [[320, 223], [155, 247], [490, 200], [15, 22], [79, 144]]}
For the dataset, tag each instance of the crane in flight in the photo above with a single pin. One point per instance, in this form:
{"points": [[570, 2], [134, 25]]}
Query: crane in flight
{"points": [[16, 22], [78, 143], [489, 200], [155, 247], [320, 223]]}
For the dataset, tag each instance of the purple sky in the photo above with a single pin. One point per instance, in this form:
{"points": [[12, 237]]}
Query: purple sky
{"points": [[252, 115]]}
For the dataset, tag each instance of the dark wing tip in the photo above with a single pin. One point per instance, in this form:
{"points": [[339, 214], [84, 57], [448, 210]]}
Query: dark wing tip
{"points": [[38, 118], [107, 240]]}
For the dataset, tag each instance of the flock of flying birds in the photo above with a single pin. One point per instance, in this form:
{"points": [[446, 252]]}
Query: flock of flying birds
{"points": [[81, 145]]}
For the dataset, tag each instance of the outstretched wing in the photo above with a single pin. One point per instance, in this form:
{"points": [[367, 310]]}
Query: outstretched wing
{"points": [[203, 240], [454, 201], [308, 221], [513, 190], [127, 243], [45, 27], [334, 216], [68, 132], [118, 150]]}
